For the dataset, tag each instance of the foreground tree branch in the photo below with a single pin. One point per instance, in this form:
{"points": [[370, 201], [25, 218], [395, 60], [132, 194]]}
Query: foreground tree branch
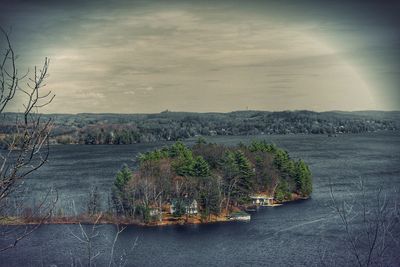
{"points": [[28, 149], [370, 222]]}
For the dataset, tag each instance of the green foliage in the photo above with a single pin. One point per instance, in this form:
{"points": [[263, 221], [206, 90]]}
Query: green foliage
{"points": [[122, 178], [229, 166], [154, 155], [281, 159], [184, 162], [262, 146], [282, 191], [201, 141], [200, 167], [212, 174], [183, 166], [303, 178], [123, 137], [119, 196], [143, 212], [238, 172], [179, 149], [180, 207], [245, 172]]}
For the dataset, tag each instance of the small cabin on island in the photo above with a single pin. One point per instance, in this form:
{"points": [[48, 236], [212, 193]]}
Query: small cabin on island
{"points": [[190, 206], [262, 200]]}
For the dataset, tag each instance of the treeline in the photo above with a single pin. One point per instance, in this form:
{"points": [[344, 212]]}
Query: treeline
{"points": [[173, 126], [217, 177]]}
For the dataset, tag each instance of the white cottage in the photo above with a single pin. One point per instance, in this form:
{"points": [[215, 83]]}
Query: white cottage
{"points": [[262, 200]]}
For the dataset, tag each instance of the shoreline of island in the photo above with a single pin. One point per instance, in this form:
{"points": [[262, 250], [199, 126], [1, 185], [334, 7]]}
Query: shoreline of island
{"points": [[109, 219]]}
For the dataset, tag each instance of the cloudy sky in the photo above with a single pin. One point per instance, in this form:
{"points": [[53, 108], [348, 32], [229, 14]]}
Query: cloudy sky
{"points": [[149, 56]]}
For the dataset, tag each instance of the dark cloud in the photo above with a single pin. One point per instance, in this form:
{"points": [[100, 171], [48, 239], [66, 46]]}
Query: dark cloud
{"points": [[208, 56]]}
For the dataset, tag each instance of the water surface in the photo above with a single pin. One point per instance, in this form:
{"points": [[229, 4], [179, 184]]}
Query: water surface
{"points": [[296, 234]]}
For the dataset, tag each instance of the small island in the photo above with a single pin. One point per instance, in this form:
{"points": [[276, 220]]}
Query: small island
{"points": [[204, 183], [207, 183]]}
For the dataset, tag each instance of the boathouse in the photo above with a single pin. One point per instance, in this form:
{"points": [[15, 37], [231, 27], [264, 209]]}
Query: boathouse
{"points": [[262, 200]]}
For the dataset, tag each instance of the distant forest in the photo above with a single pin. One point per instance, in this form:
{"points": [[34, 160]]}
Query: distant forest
{"points": [[173, 126]]}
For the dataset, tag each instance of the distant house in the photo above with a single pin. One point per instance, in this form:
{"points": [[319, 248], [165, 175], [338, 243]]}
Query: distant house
{"points": [[190, 206], [262, 200]]}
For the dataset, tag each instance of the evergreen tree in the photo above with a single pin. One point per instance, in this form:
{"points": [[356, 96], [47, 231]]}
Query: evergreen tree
{"points": [[282, 191], [180, 207], [183, 166], [303, 178], [262, 146], [281, 159], [201, 141], [200, 167], [290, 168], [245, 172], [122, 178], [119, 197], [179, 150], [238, 171], [184, 162]]}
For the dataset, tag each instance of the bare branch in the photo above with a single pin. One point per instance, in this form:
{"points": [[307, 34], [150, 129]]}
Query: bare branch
{"points": [[29, 146]]}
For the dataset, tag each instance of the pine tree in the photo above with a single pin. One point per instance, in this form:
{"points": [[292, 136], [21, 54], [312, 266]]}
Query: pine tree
{"points": [[179, 150], [303, 178], [281, 159], [201, 141], [245, 172], [183, 166], [119, 196], [200, 167], [282, 191], [122, 178]]}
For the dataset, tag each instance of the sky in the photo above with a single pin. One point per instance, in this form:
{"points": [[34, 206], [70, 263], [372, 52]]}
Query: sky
{"points": [[210, 56]]}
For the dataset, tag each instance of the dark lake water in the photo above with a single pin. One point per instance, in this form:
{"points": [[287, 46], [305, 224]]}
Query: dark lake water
{"points": [[305, 233]]}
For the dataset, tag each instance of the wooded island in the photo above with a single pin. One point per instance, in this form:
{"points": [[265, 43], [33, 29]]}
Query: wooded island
{"points": [[207, 182]]}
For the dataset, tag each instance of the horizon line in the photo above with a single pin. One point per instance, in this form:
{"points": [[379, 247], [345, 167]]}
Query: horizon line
{"points": [[213, 112]]}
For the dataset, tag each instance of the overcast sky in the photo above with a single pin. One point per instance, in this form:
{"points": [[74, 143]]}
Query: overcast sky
{"points": [[149, 56]]}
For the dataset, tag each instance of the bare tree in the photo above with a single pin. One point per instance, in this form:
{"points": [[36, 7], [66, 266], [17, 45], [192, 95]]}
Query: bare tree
{"points": [[230, 186], [94, 205], [28, 147], [89, 236], [121, 260], [370, 221]]}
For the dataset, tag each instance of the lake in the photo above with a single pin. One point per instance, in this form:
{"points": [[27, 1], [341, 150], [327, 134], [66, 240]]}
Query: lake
{"points": [[304, 233]]}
